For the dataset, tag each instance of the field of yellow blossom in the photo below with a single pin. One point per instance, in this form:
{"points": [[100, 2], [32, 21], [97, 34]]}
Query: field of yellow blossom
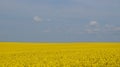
{"points": [[74, 54]]}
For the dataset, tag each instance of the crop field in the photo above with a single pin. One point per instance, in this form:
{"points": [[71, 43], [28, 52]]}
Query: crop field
{"points": [[78, 54]]}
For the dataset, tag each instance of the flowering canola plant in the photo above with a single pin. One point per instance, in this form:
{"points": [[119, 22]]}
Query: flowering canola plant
{"points": [[76, 54]]}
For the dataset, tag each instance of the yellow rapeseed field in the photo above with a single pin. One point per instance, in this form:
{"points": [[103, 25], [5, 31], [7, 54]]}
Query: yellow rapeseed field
{"points": [[78, 54]]}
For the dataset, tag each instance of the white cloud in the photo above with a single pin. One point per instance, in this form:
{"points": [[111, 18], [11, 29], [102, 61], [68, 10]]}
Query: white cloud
{"points": [[93, 23], [92, 30], [107, 28], [111, 28], [93, 27], [37, 19]]}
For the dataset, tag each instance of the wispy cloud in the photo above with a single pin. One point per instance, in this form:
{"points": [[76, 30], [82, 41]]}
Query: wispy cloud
{"points": [[37, 19], [62, 17], [93, 23], [92, 30], [92, 27]]}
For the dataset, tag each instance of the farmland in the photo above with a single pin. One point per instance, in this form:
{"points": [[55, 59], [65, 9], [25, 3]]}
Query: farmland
{"points": [[76, 54]]}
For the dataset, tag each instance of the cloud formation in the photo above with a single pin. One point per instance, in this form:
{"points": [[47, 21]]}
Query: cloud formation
{"points": [[37, 19], [66, 17], [93, 23], [92, 27]]}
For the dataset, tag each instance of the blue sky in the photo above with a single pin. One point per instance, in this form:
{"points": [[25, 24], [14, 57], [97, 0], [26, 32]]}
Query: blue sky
{"points": [[59, 20]]}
